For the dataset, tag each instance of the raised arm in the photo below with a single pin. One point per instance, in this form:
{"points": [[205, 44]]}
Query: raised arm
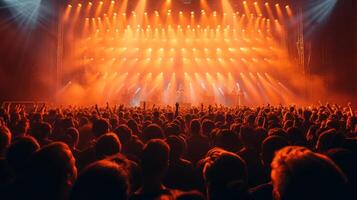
{"points": [[177, 105], [350, 109], [97, 109]]}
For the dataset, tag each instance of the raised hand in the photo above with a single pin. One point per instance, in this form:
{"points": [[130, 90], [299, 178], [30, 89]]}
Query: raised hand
{"points": [[177, 105]]}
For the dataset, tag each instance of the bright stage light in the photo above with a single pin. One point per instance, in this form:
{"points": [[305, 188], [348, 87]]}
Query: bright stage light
{"points": [[319, 10], [164, 50], [27, 12]]}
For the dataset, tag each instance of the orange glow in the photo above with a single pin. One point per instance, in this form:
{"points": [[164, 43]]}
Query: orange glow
{"points": [[153, 54], [67, 12], [88, 8], [279, 12], [270, 12], [111, 8], [204, 5], [246, 8], [257, 9], [289, 11], [99, 9]]}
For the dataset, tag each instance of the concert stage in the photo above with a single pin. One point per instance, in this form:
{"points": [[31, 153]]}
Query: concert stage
{"points": [[224, 52]]}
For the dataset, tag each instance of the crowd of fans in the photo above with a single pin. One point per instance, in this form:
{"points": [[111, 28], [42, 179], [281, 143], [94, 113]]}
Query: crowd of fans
{"points": [[206, 152]]}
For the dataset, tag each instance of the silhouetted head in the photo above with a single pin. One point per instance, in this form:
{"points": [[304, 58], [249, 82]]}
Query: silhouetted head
{"points": [[107, 145], [152, 131], [51, 173], [195, 127], [155, 159], [277, 131], [225, 175], [207, 127], [100, 127], [298, 173], [250, 120], [72, 137], [227, 140], [124, 133], [5, 139], [172, 129], [249, 137], [329, 139], [133, 125], [20, 151], [42, 131], [177, 146], [101, 180], [295, 136], [270, 146]]}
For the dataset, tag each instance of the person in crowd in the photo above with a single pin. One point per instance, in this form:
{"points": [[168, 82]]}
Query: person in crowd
{"points": [[154, 164], [19, 153], [107, 145], [100, 127], [197, 143], [251, 154], [215, 152], [103, 179], [71, 138], [225, 175], [180, 174], [42, 133], [5, 142], [299, 173], [50, 175], [5, 139], [347, 161], [270, 146], [152, 131]]}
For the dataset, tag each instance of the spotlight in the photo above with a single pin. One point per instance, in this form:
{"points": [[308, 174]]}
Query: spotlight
{"points": [[27, 13]]}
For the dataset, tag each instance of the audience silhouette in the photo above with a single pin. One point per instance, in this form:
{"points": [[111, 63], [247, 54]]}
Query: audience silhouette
{"points": [[215, 152]]}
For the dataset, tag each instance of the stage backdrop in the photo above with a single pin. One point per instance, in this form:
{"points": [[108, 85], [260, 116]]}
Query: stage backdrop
{"points": [[28, 51]]}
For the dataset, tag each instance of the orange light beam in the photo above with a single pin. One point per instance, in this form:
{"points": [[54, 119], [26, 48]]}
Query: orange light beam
{"points": [[89, 7], [257, 9], [99, 9], [270, 12], [246, 8], [204, 5], [166, 6], [279, 12], [123, 6], [227, 7], [111, 8], [67, 12], [289, 11], [140, 10]]}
